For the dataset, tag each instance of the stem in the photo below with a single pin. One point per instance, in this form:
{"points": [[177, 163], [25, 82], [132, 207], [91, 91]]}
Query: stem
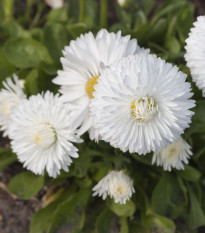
{"points": [[82, 11], [7, 6], [103, 13]]}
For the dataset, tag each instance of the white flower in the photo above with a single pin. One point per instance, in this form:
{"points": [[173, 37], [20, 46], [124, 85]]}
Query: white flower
{"points": [[117, 185], [141, 104], [195, 55], [121, 2], [83, 62], [173, 155], [55, 3], [10, 97], [41, 134]]}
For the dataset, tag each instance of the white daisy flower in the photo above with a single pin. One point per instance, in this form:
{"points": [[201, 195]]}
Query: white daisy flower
{"points": [[141, 104], [83, 62], [195, 55], [117, 185], [173, 156], [41, 134], [10, 97], [55, 3]]}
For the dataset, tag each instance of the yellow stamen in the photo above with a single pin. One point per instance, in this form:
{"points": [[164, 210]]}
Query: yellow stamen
{"points": [[120, 190], [89, 88], [37, 139], [5, 109]]}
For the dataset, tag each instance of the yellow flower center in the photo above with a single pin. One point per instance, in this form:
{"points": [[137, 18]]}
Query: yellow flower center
{"points": [[89, 88], [45, 135], [37, 139], [120, 190], [143, 109], [5, 108]]}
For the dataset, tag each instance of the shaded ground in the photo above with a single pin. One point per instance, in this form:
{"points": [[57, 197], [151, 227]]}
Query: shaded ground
{"points": [[15, 213]]}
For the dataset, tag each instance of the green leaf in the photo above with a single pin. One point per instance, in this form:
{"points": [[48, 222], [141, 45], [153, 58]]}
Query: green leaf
{"points": [[75, 30], [41, 220], [159, 224], [135, 228], [122, 210], [147, 6], [14, 30], [172, 44], [167, 195], [5, 67], [6, 158], [190, 173], [158, 31], [58, 15], [70, 214], [196, 214], [105, 221], [25, 184], [146, 159], [82, 163], [55, 38], [25, 53], [168, 7], [31, 82]]}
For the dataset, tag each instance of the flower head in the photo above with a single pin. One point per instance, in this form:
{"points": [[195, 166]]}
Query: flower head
{"points": [[55, 3], [41, 134], [117, 185], [83, 62], [195, 56], [141, 104], [173, 156], [10, 97]]}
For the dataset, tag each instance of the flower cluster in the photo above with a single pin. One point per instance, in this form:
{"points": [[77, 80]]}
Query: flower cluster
{"points": [[116, 91]]}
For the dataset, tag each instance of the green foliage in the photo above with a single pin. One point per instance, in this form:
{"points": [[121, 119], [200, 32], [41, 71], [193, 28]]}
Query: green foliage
{"points": [[25, 53], [122, 210], [31, 45], [6, 158], [25, 184]]}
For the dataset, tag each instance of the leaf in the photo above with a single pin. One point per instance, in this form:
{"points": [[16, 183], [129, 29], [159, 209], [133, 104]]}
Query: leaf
{"points": [[14, 30], [5, 67], [190, 173], [158, 31], [58, 15], [146, 159], [122, 210], [41, 220], [70, 214], [147, 6], [25, 53], [25, 185], [105, 221], [75, 30], [168, 7], [55, 38], [196, 214], [166, 195], [6, 158], [31, 83], [159, 224], [82, 163], [172, 44]]}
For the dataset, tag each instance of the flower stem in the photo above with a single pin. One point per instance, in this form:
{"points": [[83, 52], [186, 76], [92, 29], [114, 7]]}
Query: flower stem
{"points": [[103, 13], [82, 11], [7, 6]]}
